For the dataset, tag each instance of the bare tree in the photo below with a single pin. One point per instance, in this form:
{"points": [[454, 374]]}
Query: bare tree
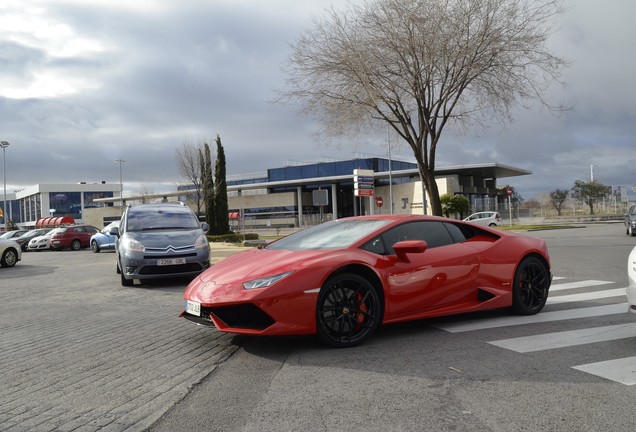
{"points": [[421, 65], [189, 167]]}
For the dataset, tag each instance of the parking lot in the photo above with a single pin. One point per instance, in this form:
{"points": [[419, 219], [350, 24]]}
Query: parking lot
{"points": [[80, 352]]}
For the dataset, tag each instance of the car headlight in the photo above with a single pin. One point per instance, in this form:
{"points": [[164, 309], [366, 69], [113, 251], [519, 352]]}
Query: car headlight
{"points": [[265, 282], [132, 245], [201, 242]]}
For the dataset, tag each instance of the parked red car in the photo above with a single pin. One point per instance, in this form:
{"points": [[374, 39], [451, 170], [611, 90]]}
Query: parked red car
{"points": [[342, 279], [73, 237]]}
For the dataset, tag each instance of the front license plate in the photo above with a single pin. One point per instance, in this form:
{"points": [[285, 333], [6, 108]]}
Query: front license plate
{"points": [[193, 308], [171, 261]]}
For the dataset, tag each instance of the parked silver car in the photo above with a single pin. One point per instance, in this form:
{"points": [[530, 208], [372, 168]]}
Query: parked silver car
{"points": [[155, 241]]}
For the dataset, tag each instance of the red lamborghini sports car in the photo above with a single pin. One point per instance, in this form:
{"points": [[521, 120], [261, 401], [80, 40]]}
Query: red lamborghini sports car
{"points": [[342, 279]]}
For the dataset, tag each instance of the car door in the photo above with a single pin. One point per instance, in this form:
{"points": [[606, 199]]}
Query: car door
{"points": [[443, 276]]}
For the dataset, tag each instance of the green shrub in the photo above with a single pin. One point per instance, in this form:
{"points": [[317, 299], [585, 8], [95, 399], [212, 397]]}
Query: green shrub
{"points": [[232, 237]]}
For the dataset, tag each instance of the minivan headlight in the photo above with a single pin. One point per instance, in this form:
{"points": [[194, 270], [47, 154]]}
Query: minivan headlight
{"points": [[202, 242], [132, 245]]}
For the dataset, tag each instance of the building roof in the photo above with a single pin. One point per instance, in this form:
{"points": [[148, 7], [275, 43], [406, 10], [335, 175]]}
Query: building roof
{"points": [[488, 171]]}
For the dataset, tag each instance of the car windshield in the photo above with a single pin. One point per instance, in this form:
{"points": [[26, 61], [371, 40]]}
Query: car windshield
{"points": [[329, 235], [144, 220]]}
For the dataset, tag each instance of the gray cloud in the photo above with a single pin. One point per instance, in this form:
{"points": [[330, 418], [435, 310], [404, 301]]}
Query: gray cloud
{"points": [[135, 82]]}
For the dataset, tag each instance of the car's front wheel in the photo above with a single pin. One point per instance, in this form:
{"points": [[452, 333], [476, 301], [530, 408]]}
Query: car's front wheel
{"points": [[94, 247], [530, 286], [9, 258], [124, 282], [630, 230], [348, 311]]}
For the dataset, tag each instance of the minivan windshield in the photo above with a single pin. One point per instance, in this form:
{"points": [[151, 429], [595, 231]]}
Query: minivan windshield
{"points": [[164, 219]]}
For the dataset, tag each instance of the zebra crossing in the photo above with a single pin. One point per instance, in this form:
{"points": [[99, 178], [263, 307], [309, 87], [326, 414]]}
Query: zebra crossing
{"points": [[621, 370]]}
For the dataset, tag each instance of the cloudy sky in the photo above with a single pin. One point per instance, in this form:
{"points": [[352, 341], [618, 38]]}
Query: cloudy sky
{"points": [[85, 82]]}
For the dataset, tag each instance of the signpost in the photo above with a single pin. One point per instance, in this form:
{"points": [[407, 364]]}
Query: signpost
{"points": [[509, 192], [379, 202], [364, 184]]}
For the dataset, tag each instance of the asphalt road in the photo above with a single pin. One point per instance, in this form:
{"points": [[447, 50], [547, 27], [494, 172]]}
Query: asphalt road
{"points": [[80, 352]]}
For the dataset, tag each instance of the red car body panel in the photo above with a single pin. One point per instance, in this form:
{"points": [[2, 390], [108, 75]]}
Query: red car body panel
{"points": [[65, 239], [439, 281]]}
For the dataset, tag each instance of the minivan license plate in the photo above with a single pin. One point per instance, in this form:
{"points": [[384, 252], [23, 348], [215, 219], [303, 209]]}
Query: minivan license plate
{"points": [[171, 261]]}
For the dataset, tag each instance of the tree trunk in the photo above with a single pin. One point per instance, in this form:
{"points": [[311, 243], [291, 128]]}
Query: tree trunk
{"points": [[429, 184]]}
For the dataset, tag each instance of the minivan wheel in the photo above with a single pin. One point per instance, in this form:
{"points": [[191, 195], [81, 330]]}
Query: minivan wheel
{"points": [[125, 282]]}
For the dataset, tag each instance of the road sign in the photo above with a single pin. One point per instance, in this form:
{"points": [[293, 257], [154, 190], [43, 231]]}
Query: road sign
{"points": [[379, 201], [364, 192]]}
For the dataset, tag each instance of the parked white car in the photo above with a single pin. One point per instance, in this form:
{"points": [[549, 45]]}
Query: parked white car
{"points": [[487, 218], [42, 242], [631, 275], [10, 253]]}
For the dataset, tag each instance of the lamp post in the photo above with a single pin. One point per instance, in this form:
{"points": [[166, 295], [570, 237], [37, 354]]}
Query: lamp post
{"points": [[121, 184], [4, 145]]}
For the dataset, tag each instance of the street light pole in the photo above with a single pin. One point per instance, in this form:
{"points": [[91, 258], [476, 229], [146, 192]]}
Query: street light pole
{"points": [[121, 184], [4, 145]]}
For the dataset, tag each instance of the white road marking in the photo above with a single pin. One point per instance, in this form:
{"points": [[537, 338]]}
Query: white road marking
{"points": [[594, 295], [504, 321], [564, 339], [579, 284], [621, 370]]}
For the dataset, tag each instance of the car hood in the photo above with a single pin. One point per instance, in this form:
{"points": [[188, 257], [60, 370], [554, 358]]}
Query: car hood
{"points": [[256, 263], [165, 238]]}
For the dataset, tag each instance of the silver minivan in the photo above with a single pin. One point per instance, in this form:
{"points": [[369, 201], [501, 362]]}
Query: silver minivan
{"points": [[157, 241]]}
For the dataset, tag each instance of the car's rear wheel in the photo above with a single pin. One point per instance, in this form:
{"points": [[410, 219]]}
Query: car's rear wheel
{"points": [[94, 247], [530, 286], [9, 258], [75, 245], [348, 310]]}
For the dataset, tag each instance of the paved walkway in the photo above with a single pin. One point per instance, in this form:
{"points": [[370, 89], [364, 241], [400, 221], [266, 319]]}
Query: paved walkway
{"points": [[79, 352]]}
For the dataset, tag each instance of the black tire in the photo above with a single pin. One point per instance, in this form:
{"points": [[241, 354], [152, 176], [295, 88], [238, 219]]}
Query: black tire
{"points": [[124, 282], [348, 310], [76, 245], [630, 231], [530, 286], [9, 258], [94, 247]]}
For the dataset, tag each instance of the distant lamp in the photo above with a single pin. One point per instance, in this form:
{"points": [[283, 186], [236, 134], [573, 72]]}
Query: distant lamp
{"points": [[121, 183], [4, 145]]}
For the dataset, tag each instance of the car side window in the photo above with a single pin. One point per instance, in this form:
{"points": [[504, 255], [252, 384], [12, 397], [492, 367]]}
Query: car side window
{"points": [[433, 233]]}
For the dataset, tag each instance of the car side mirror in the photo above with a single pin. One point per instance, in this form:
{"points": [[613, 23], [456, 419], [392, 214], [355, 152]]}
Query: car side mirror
{"points": [[403, 248], [114, 231]]}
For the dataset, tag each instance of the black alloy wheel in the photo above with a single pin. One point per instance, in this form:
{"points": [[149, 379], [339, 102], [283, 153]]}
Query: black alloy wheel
{"points": [[348, 311], [531, 286], [94, 247]]}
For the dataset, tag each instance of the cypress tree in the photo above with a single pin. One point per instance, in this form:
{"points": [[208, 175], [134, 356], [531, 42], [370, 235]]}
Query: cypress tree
{"points": [[208, 188], [222, 222]]}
